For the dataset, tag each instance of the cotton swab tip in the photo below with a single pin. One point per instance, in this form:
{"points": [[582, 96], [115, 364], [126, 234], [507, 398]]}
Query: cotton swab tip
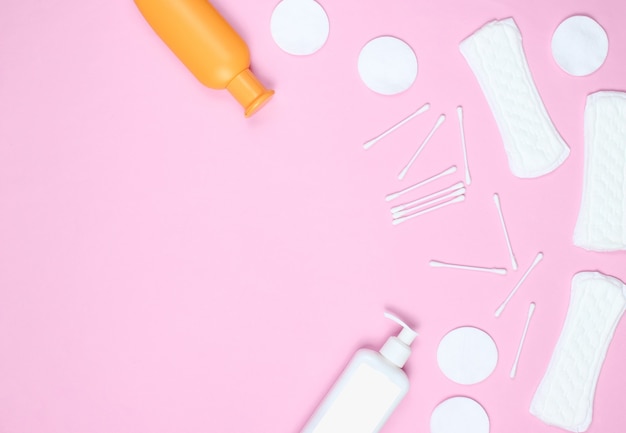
{"points": [[390, 197], [403, 173], [499, 310], [424, 108]]}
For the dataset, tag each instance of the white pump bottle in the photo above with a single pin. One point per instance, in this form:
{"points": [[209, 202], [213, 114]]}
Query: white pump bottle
{"points": [[369, 389]]}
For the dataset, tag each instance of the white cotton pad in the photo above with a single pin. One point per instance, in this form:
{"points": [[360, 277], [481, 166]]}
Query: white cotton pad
{"points": [[565, 395], [467, 355], [601, 224], [496, 56], [387, 65], [459, 415], [299, 27], [580, 45]]}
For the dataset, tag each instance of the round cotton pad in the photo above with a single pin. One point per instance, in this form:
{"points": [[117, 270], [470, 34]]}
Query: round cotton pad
{"points": [[299, 27], [580, 45], [387, 65], [459, 415], [467, 355]]}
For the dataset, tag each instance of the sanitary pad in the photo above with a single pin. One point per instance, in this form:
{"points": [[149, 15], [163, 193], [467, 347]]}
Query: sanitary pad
{"points": [[496, 56], [565, 396], [601, 222]]}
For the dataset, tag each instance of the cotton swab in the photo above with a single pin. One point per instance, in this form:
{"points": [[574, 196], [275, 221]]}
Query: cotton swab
{"points": [[405, 170], [438, 264], [496, 199], [412, 209], [468, 178], [374, 140], [517, 286], [430, 209], [446, 172], [412, 203], [531, 310]]}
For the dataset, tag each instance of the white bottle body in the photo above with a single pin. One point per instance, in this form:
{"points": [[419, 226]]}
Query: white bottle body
{"points": [[363, 398]]}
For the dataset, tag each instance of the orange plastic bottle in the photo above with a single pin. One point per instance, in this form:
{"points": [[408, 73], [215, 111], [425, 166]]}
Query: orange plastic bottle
{"points": [[208, 46]]}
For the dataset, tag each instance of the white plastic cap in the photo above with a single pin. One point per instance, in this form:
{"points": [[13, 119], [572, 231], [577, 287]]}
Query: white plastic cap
{"points": [[398, 349]]}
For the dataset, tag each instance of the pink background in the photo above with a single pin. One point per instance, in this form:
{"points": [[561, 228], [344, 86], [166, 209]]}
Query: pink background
{"points": [[167, 265]]}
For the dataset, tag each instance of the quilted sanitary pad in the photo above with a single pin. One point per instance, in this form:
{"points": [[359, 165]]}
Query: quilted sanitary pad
{"points": [[496, 56], [601, 222], [566, 393]]}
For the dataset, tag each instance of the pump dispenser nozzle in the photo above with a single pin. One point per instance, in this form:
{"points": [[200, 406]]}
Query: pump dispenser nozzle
{"points": [[397, 349]]}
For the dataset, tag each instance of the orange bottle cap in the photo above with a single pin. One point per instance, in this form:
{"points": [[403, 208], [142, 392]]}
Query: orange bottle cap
{"points": [[249, 91]]}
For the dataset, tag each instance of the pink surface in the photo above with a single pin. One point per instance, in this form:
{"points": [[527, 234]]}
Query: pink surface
{"points": [[169, 266]]}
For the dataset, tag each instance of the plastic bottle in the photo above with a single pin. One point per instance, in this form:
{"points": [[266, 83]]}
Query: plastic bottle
{"points": [[208, 46], [369, 389]]}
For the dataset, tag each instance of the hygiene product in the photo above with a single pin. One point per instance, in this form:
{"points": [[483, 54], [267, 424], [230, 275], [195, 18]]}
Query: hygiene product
{"points": [[566, 393], [440, 120], [299, 27], [208, 46], [426, 202], [601, 224], [459, 113], [440, 264], [496, 56], [580, 45], [387, 65], [538, 258], [397, 194], [373, 141], [459, 414], [369, 389], [402, 219], [467, 355], [404, 207], [531, 311], [496, 200]]}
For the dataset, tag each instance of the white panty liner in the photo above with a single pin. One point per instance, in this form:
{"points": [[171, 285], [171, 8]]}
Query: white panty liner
{"points": [[565, 395], [601, 224], [496, 56]]}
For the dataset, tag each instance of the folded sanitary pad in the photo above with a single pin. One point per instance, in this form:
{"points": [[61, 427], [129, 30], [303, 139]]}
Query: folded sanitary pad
{"points": [[496, 56], [601, 222], [566, 393]]}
